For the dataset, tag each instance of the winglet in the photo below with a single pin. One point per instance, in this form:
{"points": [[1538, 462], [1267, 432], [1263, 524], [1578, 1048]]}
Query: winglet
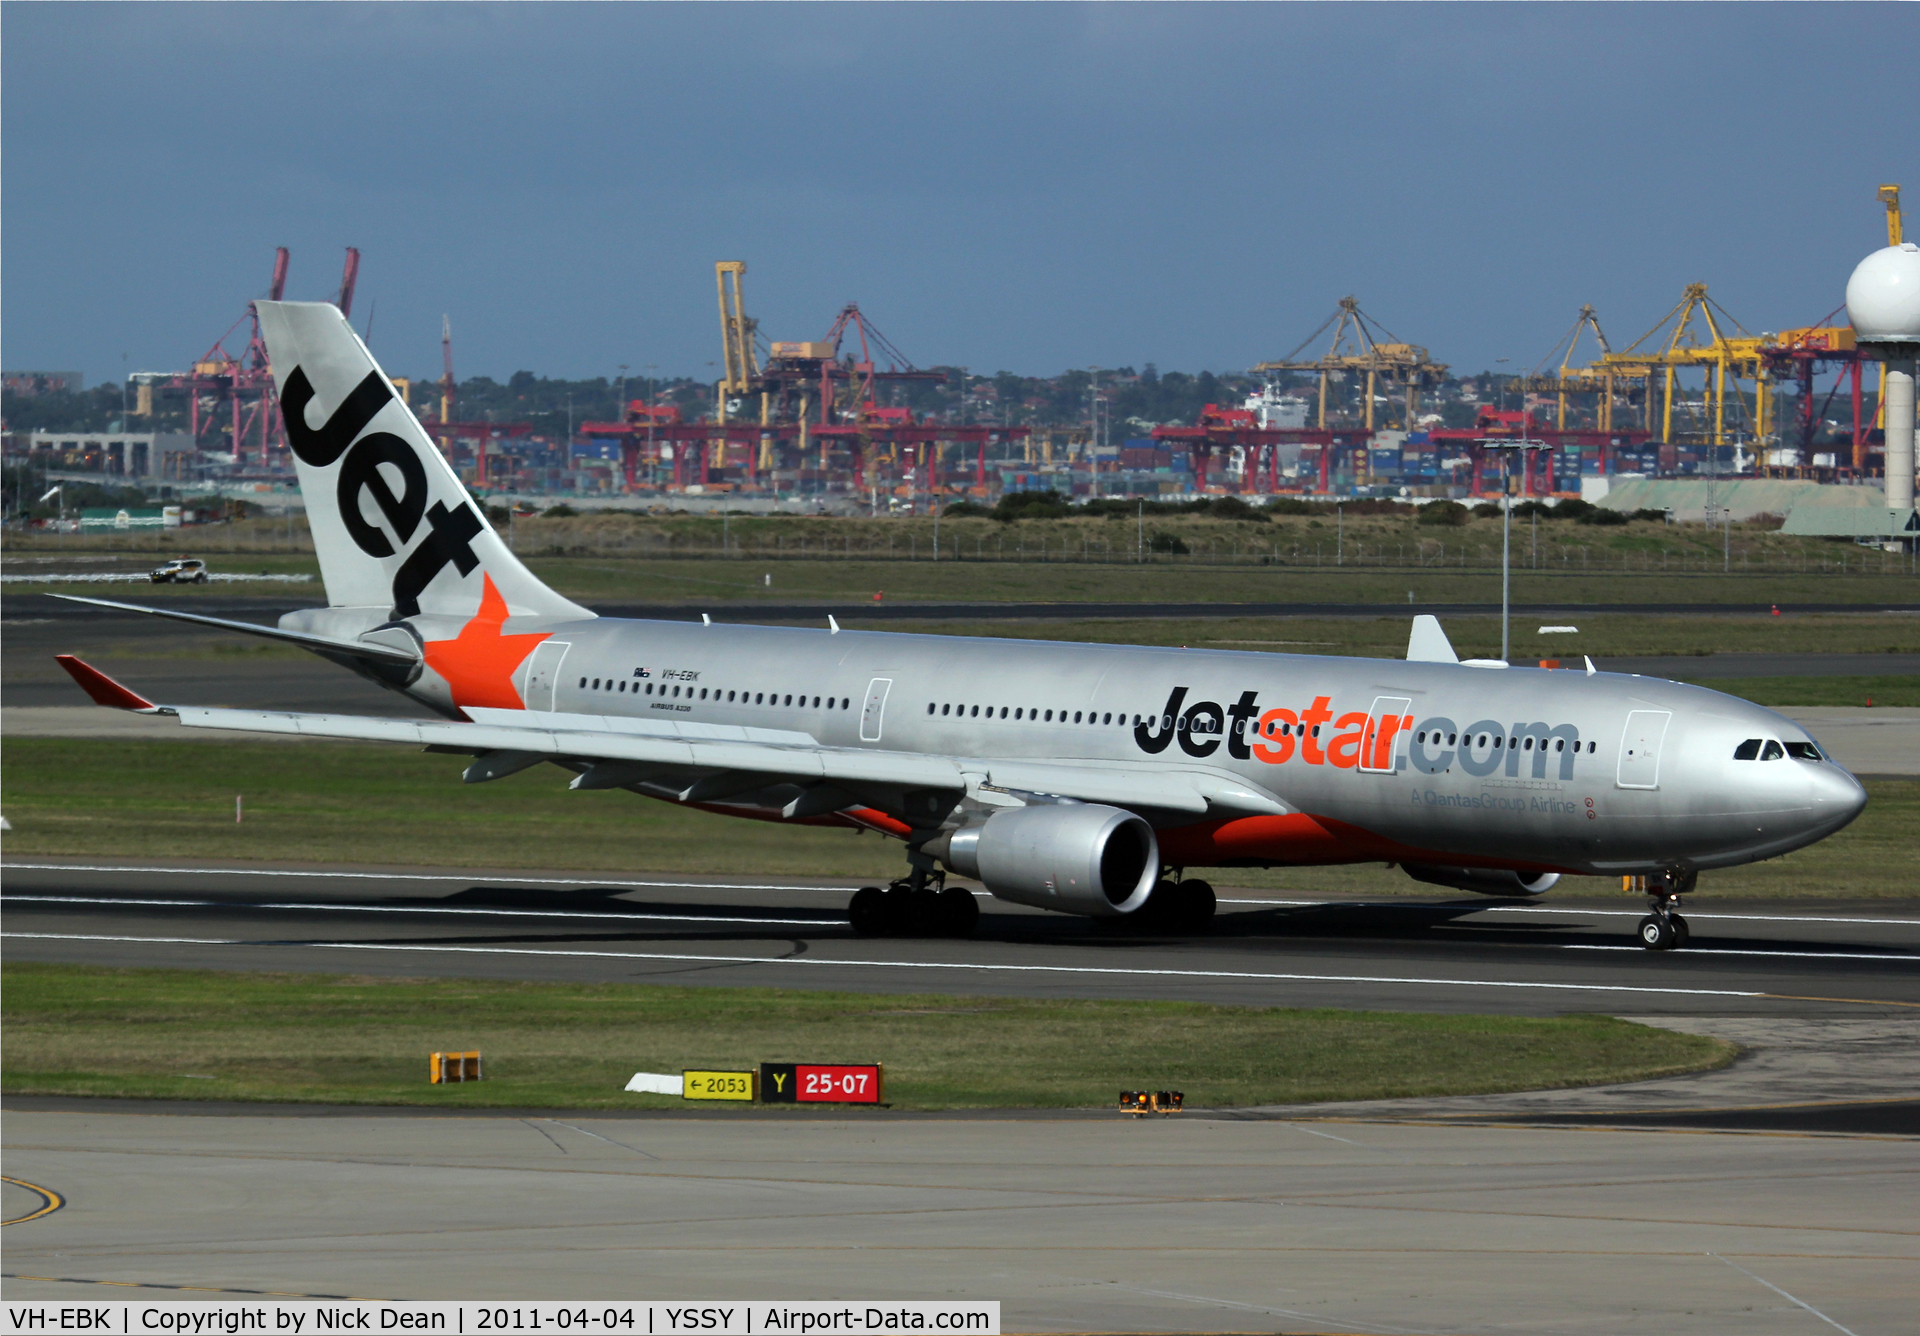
{"points": [[1428, 643], [103, 689], [833, 624], [1591, 670]]}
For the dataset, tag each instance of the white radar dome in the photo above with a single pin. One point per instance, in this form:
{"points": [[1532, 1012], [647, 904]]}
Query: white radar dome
{"points": [[1883, 296]]}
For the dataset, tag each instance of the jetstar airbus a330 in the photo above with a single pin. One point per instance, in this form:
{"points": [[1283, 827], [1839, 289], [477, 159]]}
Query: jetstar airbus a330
{"points": [[1078, 778]]}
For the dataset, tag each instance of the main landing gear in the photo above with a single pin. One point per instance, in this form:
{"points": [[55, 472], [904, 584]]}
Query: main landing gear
{"points": [[917, 905], [1175, 906], [1664, 928]]}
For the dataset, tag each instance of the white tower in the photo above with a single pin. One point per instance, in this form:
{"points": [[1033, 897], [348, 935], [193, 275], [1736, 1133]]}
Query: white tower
{"points": [[1883, 302]]}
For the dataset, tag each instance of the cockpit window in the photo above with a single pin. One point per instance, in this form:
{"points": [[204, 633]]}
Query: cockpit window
{"points": [[1804, 751], [1748, 750], [1773, 751]]}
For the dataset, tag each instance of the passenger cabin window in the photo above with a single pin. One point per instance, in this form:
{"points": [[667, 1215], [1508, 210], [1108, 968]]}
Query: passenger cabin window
{"points": [[1803, 751], [1748, 750]]}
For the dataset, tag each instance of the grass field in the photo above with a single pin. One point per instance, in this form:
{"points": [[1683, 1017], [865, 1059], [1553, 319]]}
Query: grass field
{"points": [[362, 804], [1079, 560], [77, 1030], [1786, 692]]}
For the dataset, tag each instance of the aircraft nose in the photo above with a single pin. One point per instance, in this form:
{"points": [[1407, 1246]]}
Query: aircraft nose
{"points": [[1837, 796]]}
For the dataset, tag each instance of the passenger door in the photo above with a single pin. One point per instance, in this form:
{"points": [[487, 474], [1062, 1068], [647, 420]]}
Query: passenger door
{"points": [[874, 708], [543, 673], [1384, 723], [1640, 749]]}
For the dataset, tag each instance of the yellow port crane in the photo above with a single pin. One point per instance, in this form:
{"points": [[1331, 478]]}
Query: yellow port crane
{"points": [[737, 330], [1599, 378], [1354, 348], [1699, 332]]}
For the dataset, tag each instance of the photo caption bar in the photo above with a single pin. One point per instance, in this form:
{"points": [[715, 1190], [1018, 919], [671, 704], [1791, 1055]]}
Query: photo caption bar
{"points": [[309, 1317]]}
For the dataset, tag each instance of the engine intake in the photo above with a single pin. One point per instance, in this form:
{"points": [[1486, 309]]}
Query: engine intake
{"points": [[1078, 858], [1487, 881]]}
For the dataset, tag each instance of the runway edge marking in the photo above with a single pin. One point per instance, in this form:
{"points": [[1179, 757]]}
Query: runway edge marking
{"points": [[976, 966]]}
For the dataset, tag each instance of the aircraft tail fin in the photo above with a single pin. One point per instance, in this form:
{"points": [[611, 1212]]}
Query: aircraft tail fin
{"points": [[1428, 643], [393, 525]]}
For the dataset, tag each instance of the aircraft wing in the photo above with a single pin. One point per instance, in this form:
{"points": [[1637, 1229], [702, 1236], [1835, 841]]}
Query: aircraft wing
{"points": [[692, 759]]}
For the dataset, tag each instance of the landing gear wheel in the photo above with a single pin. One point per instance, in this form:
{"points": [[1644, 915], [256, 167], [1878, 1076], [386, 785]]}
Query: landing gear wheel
{"points": [[1656, 933], [1196, 905], [868, 912], [955, 912], [1176, 906], [1681, 933]]}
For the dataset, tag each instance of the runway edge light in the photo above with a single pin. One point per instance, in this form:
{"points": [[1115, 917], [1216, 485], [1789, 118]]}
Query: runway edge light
{"points": [[1140, 1103], [448, 1068]]}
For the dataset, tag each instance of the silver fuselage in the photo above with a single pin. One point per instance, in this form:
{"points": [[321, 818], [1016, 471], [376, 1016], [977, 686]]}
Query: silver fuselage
{"points": [[1379, 759]]}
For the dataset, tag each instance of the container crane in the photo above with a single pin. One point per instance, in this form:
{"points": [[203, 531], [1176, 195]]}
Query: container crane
{"points": [[242, 383], [822, 390], [447, 388], [1601, 378], [348, 278], [1698, 332], [737, 331], [1355, 348], [450, 429]]}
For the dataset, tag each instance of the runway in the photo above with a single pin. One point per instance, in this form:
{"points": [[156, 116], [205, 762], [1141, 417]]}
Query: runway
{"points": [[1600, 1208], [1464, 954]]}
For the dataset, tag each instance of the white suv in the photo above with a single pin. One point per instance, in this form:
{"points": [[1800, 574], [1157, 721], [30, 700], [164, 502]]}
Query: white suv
{"points": [[181, 570]]}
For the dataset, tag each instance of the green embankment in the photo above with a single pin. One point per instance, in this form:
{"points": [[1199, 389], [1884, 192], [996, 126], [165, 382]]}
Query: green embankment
{"points": [[629, 557], [77, 1030], [1787, 692], [353, 803]]}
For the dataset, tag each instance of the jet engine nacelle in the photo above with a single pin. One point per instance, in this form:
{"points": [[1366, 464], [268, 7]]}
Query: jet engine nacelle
{"points": [[1078, 858], [1487, 881]]}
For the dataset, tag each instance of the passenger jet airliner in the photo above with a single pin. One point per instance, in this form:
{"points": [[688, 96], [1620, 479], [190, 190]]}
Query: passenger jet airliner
{"points": [[1080, 778]]}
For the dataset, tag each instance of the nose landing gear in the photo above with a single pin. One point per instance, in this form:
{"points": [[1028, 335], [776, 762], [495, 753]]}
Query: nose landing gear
{"points": [[1664, 928]]}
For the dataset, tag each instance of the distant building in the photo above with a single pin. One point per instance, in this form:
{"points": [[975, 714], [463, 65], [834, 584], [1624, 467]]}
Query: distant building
{"points": [[42, 382], [119, 454], [122, 517]]}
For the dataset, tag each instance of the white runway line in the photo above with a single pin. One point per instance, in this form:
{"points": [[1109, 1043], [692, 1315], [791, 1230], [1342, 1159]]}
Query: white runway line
{"points": [[804, 923], [603, 882], [424, 909], [961, 965], [1747, 951], [1691, 915]]}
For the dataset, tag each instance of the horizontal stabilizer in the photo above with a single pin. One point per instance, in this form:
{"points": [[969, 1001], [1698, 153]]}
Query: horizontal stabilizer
{"points": [[318, 644], [1428, 643]]}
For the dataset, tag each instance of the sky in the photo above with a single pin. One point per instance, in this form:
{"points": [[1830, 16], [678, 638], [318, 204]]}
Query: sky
{"points": [[1018, 187]]}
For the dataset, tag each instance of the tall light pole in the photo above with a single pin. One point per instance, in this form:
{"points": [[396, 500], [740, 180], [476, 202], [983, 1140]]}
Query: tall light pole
{"points": [[1506, 446]]}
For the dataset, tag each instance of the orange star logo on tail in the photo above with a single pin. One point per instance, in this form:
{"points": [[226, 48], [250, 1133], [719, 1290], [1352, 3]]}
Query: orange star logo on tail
{"points": [[478, 663]]}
